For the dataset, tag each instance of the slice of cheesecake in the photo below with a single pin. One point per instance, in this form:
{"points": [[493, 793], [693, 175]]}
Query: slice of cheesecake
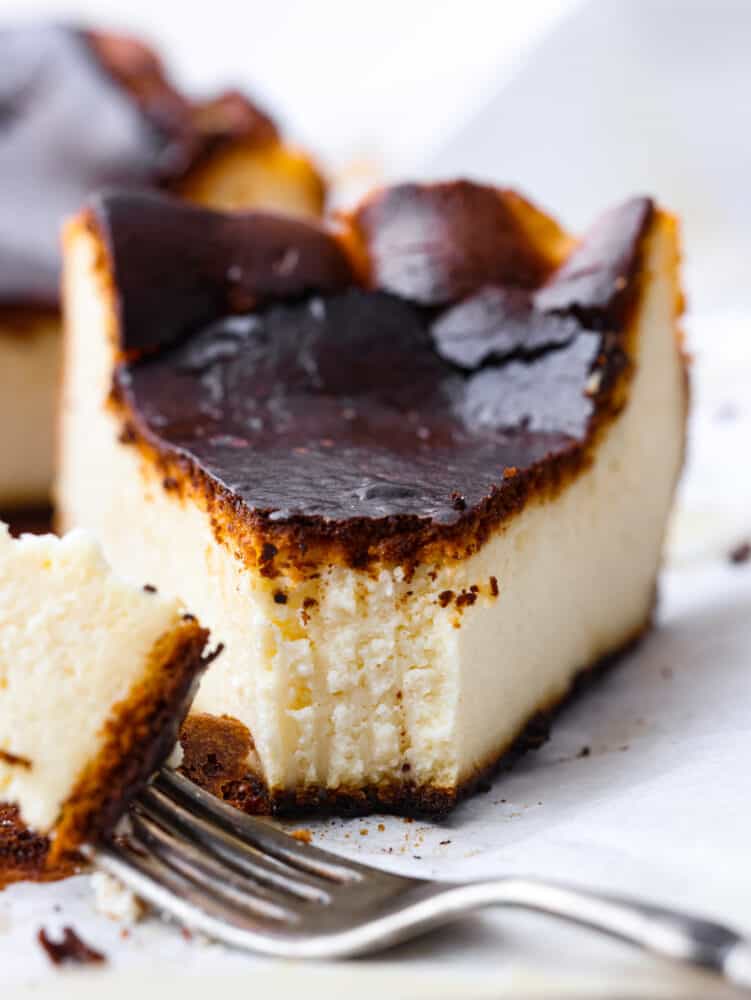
{"points": [[96, 676], [82, 110], [413, 469]]}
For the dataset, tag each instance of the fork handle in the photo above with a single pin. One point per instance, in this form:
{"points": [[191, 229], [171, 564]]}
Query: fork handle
{"points": [[670, 933]]}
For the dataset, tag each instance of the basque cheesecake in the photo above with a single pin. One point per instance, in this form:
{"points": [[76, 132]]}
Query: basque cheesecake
{"points": [[80, 110], [96, 676], [411, 467]]}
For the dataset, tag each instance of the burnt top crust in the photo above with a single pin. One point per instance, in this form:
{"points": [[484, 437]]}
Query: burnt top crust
{"points": [[79, 111], [332, 399]]}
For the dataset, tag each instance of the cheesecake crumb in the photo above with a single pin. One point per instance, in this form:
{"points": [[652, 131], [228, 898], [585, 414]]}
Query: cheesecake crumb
{"points": [[114, 900], [127, 435], [364, 831], [69, 949], [592, 386], [740, 554], [176, 758], [15, 760], [457, 501], [381, 827], [149, 588], [584, 752], [303, 835], [442, 843]]}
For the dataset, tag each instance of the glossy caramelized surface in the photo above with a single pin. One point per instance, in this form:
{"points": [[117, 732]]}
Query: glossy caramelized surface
{"points": [[319, 386]]}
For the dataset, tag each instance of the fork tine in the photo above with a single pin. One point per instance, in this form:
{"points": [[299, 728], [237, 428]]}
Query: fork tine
{"points": [[194, 906], [263, 835], [202, 868], [242, 856]]}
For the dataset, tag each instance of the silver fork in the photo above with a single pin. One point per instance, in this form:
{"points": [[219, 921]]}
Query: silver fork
{"points": [[247, 884]]}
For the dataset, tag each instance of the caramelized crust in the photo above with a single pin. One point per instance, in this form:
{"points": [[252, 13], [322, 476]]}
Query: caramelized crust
{"points": [[469, 236], [572, 322]]}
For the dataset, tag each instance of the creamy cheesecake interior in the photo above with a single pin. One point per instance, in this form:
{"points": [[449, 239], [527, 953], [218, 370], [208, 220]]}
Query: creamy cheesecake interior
{"points": [[109, 98], [96, 677], [395, 681]]}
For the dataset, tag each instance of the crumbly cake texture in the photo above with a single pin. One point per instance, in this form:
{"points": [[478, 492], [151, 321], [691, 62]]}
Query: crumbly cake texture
{"points": [[96, 677], [412, 452]]}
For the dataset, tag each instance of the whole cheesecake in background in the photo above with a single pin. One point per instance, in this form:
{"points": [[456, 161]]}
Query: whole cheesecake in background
{"points": [[412, 468], [96, 676], [82, 110]]}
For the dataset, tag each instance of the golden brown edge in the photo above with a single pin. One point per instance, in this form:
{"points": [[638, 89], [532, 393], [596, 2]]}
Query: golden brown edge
{"points": [[139, 733]]}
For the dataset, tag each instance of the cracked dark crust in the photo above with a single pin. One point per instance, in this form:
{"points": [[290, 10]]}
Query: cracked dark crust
{"points": [[299, 545], [138, 735], [214, 760]]}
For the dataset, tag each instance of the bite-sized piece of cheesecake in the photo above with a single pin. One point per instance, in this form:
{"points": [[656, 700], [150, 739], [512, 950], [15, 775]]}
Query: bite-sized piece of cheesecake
{"points": [[96, 676], [413, 469], [82, 110]]}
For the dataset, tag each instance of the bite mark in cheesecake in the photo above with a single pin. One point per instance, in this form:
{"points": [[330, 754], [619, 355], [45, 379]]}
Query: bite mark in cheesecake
{"points": [[453, 466]]}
